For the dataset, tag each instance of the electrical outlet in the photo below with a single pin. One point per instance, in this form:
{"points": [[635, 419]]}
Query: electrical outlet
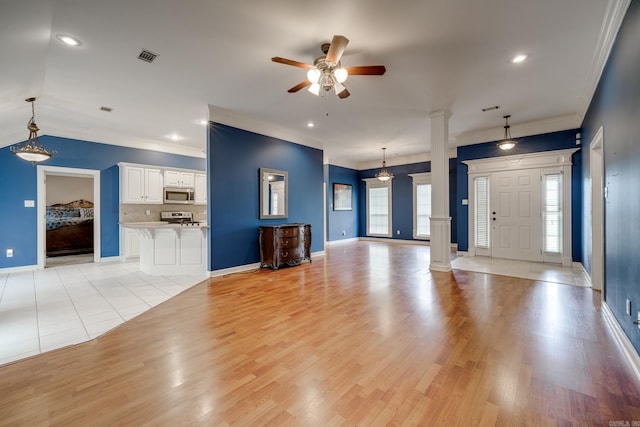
{"points": [[344, 233], [638, 321], [9, 253], [147, 212], [628, 307], [398, 232]]}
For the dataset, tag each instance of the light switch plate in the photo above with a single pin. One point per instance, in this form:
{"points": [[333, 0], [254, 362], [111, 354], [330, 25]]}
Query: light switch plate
{"points": [[29, 203]]}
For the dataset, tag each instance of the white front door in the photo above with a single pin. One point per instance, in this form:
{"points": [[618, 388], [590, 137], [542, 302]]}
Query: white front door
{"points": [[515, 215]]}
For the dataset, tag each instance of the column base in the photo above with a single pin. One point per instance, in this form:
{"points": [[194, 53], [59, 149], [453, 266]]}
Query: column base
{"points": [[440, 244]]}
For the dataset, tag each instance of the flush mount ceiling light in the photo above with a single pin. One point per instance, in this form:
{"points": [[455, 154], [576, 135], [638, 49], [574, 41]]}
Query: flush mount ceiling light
{"points": [[384, 174], [68, 40], [32, 150], [507, 143], [519, 58]]}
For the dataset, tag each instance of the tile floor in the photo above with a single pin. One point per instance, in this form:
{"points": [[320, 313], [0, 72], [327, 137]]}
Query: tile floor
{"points": [[527, 270], [47, 309]]}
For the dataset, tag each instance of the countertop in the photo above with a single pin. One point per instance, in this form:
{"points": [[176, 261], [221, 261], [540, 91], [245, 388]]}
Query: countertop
{"points": [[162, 224]]}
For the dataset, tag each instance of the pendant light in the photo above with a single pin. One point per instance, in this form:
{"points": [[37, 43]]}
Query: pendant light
{"points": [[384, 174], [507, 143], [32, 150]]}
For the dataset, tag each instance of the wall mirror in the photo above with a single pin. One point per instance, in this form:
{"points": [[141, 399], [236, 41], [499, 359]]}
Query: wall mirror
{"points": [[274, 194]]}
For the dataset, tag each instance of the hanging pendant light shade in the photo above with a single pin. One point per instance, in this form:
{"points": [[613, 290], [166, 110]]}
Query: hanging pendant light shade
{"points": [[507, 143], [32, 150], [384, 174]]}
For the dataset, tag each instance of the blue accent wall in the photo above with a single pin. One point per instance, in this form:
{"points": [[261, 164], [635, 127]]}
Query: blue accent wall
{"points": [[234, 159], [402, 193], [616, 107], [18, 182], [530, 144], [339, 221]]}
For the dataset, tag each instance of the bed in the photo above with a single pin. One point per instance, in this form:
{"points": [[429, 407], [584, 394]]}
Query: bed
{"points": [[69, 228]]}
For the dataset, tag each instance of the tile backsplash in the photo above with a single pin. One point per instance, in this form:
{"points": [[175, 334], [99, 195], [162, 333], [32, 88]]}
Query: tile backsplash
{"points": [[138, 213]]}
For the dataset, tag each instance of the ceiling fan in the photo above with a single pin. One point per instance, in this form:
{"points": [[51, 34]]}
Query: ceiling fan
{"points": [[327, 72]]}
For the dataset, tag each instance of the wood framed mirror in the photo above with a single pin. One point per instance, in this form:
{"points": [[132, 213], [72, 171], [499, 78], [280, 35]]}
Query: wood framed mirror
{"points": [[274, 194]]}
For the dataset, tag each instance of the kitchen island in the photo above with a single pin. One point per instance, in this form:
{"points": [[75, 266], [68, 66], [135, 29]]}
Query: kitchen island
{"points": [[172, 248]]}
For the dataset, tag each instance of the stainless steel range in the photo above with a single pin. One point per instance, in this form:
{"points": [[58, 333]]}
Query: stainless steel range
{"points": [[182, 218]]}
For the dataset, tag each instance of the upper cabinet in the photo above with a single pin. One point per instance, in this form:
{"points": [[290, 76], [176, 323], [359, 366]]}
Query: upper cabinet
{"points": [[141, 185], [175, 178], [201, 188]]}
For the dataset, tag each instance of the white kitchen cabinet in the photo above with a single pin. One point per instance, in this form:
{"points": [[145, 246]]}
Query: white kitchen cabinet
{"points": [[175, 178], [201, 188], [141, 185], [130, 243]]}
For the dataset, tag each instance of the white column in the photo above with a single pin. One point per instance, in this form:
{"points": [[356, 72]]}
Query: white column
{"points": [[440, 219]]}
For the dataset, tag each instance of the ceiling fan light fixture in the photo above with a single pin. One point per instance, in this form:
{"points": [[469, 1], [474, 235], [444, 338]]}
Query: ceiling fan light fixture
{"points": [[32, 150], [313, 75], [314, 89], [384, 175], [341, 75], [339, 88], [507, 142]]}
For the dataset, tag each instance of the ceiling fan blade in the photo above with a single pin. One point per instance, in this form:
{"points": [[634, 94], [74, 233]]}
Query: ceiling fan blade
{"points": [[336, 49], [299, 86], [286, 61], [366, 70], [344, 94]]}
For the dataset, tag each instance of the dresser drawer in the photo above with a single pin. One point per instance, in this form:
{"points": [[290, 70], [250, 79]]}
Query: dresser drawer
{"points": [[290, 254], [288, 231], [289, 242]]}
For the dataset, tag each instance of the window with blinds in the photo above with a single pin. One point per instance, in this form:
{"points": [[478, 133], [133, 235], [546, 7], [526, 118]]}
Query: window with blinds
{"points": [[552, 213], [423, 210], [378, 211], [481, 211]]}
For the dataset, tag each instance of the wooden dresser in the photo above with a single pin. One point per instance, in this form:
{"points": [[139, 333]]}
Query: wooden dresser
{"points": [[284, 244]]}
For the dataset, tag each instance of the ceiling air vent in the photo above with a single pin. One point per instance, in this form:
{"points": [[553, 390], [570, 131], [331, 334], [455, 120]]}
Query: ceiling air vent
{"points": [[147, 56], [107, 109]]}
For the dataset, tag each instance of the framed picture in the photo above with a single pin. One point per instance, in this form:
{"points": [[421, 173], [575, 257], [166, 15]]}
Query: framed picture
{"points": [[342, 196]]}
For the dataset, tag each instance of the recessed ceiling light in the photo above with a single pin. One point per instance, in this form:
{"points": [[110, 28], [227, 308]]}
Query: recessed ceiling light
{"points": [[518, 58], [68, 40], [175, 137], [310, 124]]}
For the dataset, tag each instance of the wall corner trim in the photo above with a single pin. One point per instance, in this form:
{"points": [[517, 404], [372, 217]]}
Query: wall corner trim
{"points": [[623, 341]]}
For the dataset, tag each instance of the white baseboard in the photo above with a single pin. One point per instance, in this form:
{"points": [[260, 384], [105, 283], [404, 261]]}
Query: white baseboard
{"points": [[236, 269], [116, 258], [462, 253], [20, 269], [341, 242], [389, 240], [621, 338]]}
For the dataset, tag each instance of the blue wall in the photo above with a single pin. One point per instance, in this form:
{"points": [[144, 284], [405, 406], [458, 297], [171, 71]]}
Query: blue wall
{"points": [[18, 182], [235, 157], [402, 193], [616, 107], [339, 221], [530, 144]]}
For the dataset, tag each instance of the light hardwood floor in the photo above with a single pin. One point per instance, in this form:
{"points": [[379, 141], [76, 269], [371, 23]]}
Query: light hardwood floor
{"points": [[365, 335]]}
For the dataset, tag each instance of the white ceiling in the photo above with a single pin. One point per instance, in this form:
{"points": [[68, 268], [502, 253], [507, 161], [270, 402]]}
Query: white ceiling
{"points": [[439, 54]]}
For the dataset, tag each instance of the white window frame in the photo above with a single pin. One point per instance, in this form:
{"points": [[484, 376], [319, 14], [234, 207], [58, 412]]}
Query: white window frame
{"points": [[419, 179], [376, 183]]}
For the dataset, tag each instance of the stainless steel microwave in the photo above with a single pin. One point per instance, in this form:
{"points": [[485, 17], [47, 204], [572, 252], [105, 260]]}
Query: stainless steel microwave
{"points": [[179, 195]]}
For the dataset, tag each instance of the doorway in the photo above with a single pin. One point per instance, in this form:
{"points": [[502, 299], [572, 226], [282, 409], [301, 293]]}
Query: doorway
{"points": [[520, 207], [516, 226], [596, 166], [68, 217]]}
